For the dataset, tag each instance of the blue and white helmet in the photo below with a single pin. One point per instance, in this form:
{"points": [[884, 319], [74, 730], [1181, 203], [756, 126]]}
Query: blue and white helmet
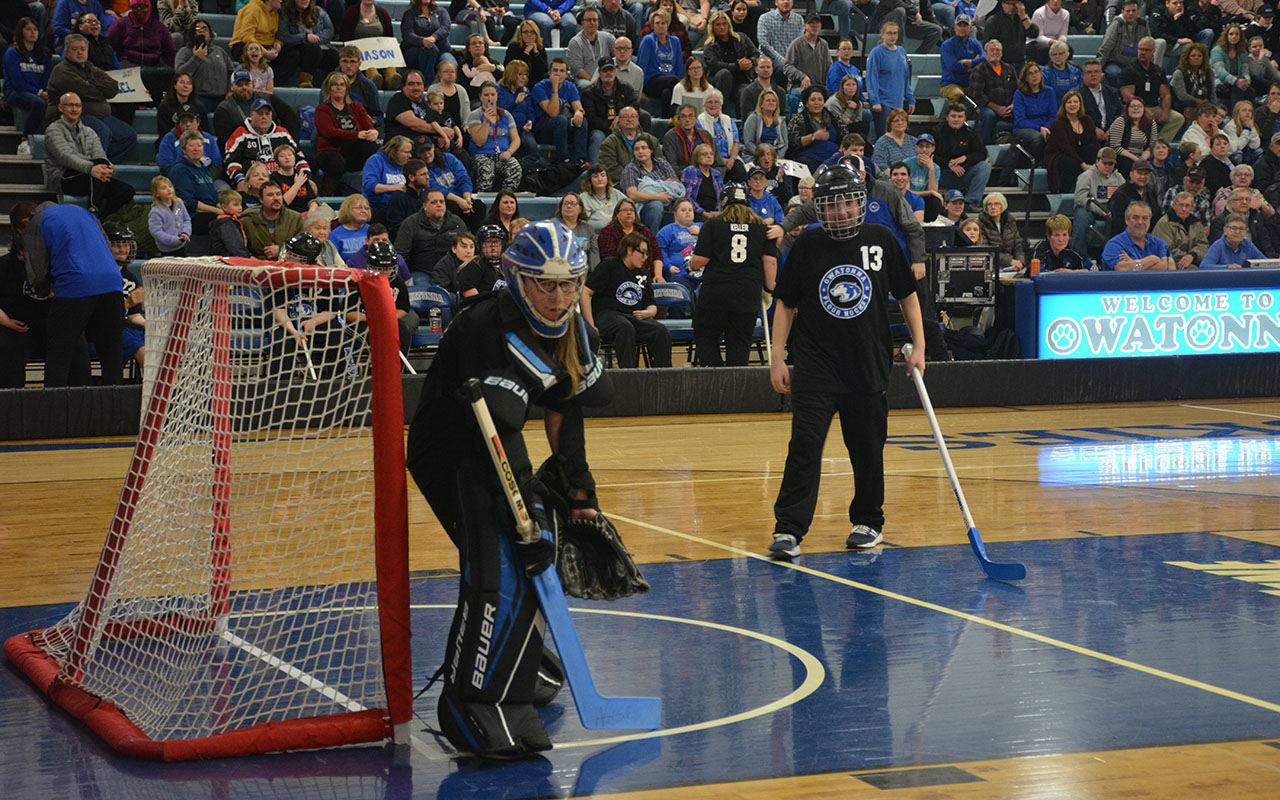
{"points": [[544, 251]]}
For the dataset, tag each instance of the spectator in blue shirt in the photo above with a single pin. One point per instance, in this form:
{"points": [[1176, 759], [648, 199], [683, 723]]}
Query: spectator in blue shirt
{"points": [[560, 120], [67, 11], [888, 79], [960, 54], [925, 176], [1061, 75], [1234, 248], [548, 14], [516, 98], [676, 241], [1134, 248], [26, 73], [764, 204], [1034, 109], [661, 58], [900, 177]]}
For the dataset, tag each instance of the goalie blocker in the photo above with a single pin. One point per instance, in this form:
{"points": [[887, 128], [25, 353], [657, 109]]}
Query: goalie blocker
{"points": [[526, 344]]}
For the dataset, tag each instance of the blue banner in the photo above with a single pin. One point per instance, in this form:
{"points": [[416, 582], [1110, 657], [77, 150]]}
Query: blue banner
{"points": [[1193, 322]]}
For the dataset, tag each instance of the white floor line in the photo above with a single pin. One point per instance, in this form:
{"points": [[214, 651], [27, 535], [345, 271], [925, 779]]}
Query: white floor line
{"points": [[1230, 411]]}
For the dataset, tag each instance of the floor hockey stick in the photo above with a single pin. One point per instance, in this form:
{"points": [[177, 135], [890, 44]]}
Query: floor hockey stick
{"points": [[992, 569], [595, 711], [404, 360], [306, 352], [764, 317]]}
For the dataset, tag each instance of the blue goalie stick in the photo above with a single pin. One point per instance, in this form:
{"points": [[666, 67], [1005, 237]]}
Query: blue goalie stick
{"points": [[992, 569], [595, 711]]}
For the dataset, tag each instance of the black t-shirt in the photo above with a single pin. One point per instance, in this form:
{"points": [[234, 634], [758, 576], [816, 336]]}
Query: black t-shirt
{"points": [[840, 341], [302, 200], [734, 276], [131, 282], [476, 274], [346, 122], [614, 287], [1146, 83], [399, 291], [399, 104]]}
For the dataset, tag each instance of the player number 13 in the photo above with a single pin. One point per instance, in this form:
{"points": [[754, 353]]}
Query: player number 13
{"points": [[872, 257]]}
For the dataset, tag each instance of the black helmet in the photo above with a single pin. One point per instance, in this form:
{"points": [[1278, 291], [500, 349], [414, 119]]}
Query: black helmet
{"points": [[487, 231], [733, 193], [840, 193], [303, 248], [382, 257], [119, 233]]}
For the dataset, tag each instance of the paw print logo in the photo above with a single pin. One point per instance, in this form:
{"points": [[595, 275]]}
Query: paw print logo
{"points": [[1201, 333], [1062, 336]]}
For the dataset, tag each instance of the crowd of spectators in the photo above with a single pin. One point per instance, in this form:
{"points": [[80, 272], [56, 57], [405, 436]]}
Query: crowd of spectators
{"points": [[1168, 138]]}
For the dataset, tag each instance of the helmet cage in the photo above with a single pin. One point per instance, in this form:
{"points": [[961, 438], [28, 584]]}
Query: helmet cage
{"points": [[544, 251], [842, 213]]}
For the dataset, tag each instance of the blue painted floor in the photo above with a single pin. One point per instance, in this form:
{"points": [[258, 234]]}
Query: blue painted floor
{"points": [[894, 681]]}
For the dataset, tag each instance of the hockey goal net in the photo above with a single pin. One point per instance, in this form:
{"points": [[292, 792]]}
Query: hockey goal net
{"points": [[252, 593]]}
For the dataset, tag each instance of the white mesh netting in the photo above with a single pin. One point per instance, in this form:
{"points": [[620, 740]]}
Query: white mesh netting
{"points": [[244, 589]]}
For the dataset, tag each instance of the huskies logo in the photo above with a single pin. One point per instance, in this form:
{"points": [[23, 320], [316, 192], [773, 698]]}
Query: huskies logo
{"points": [[845, 291], [873, 206], [629, 293]]}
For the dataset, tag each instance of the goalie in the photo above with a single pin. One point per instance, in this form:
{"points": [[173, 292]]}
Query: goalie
{"points": [[528, 344]]}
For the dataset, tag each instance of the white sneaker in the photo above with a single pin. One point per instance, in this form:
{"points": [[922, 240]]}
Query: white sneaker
{"points": [[862, 537], [24, 148], [784, 546]]}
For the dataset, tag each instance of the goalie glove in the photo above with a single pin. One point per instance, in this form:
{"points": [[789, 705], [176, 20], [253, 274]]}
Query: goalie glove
{"points": [[594, 563]]}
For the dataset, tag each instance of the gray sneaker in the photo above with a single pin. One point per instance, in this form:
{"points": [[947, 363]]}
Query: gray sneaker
{"points": [[862, 537], [784, 546]]}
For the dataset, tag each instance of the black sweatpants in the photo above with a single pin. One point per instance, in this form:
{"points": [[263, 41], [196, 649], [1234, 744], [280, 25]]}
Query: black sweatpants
{"points": [[709, 322], [100, 318], [935, 345], [105, 197], [624, 330], [864, 423]]}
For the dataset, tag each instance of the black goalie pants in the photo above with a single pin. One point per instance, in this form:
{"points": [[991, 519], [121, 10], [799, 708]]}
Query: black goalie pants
{"points": [[495, 642]]}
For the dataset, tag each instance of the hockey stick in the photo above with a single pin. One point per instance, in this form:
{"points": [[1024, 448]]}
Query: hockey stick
{"points": [[764, 317], [992, 569], [404, 360], [306, 352], [595, 711]]}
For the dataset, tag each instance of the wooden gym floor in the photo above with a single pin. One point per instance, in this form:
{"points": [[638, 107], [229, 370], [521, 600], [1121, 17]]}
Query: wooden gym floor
{"points": [[1136, 660]]}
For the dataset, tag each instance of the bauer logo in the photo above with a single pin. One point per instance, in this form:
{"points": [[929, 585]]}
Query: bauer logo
{"points": [[845, 291], [1093, 325]]}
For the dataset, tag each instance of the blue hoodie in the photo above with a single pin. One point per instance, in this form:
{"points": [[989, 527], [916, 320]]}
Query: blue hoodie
{"points": [[379, 169], [1034, 111], [955, 50]]}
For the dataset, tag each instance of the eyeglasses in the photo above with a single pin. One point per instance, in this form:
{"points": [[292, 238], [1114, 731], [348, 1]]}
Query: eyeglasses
{"points": [[550, 286], [642, 251]]}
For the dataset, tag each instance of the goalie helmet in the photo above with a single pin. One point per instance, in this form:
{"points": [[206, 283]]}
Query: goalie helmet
{"points": [[733, 193], [120, 234], [548, 254], [382, 257], [303, 248], [840, 193], [487, 231]]}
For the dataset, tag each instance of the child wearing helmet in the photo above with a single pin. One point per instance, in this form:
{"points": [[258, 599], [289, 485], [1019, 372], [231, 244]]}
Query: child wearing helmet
{"points": [[483, 273], [124, 248], [528, 345], [307, 317], [832, 308], [382, 256], [738, 261]]}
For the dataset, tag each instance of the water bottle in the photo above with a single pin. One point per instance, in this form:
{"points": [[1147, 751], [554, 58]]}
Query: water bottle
{"points": [[435, 320]]}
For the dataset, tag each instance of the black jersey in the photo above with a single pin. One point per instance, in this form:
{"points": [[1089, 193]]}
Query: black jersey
{"points": [[840, 289], [734, 277], [476, 274], [131, 282], [399, 293], [614, 287]]}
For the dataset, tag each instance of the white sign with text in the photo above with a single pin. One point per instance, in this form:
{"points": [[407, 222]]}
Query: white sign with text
{"points": [[131, 88], [379, 52]]}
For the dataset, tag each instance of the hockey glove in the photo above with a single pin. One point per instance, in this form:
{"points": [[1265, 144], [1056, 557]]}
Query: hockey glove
{"points": [[595, 564]]}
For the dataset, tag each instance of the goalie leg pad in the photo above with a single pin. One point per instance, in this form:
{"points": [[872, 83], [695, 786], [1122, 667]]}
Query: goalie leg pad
{"points": [[595, 564], [551, 678], [490, 730]]}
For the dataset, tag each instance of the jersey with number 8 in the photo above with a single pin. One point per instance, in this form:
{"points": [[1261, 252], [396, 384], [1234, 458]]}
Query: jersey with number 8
{"points": [[734, 275]]}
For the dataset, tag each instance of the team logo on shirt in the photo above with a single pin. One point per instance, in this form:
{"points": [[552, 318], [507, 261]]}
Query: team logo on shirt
{"points": [[845, 291], [629, 293], [873, 206]]}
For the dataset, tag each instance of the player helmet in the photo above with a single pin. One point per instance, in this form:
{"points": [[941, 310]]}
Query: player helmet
{"points": [[120, 234], [840, 193], [487, 231], [382, 257], [548, 254], [302, 248], [733, 193]]}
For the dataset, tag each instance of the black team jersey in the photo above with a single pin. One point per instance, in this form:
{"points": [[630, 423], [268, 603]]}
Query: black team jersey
{"points": [[734, 276], [840, 341]]}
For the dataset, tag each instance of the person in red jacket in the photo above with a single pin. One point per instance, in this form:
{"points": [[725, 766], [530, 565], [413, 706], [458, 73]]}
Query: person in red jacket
{"points": [[345, 136], [141, 40]]}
